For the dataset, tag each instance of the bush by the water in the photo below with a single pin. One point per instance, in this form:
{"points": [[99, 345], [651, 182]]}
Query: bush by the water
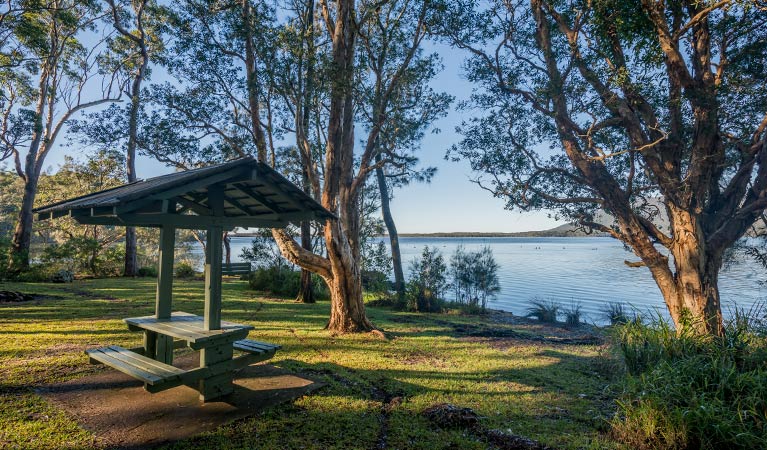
{"points": [[185, 270], [545, 311], [474, 276], [687, 391], [428, 282]]}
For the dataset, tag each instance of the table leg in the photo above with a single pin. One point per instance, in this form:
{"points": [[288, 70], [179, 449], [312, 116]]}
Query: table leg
{"points": [[217, 385], [164, 349], [150, 344]]}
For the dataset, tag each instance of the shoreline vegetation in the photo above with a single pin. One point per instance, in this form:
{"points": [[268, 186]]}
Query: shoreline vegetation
{"points": [[565, 230]]}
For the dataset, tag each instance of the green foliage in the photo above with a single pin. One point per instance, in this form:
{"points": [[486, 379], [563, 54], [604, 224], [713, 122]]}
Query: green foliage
{"points": [[147, 271], [83, 254], [375, 281], [428, 282], [185, 270], [688, 391], [63, 276], [279, 281], [474, 276], [546, 311]]}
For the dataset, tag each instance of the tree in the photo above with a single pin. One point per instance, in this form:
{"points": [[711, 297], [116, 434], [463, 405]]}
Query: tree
{"points": [[344, 178], [646, 110], [138, 41], [394, 81], [45, 65]]}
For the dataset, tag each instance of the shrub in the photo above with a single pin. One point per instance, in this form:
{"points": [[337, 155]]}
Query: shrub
{"points": [[546, 311], [475, 276], [276, 280], [63, 276], [185, 270], [147, 271], [427, 282], [686, 391], [375, 281]]}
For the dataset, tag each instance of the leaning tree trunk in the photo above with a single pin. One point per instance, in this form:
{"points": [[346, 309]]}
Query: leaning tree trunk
{"points": [[391, 228]]}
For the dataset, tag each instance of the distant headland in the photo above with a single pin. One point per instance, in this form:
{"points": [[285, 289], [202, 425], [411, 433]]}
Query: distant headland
{"points": [[565, 230]]}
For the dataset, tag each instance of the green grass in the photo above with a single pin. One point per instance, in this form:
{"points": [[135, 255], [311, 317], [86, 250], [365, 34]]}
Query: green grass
{"points": [[553, 393]]}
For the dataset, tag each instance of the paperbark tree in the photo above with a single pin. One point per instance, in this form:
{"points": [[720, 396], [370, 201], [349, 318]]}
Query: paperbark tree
{"points": [[47, 49], [654, 112]]}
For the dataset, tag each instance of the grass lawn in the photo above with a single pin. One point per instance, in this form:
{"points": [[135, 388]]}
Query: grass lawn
{"points": [[523, 383]]}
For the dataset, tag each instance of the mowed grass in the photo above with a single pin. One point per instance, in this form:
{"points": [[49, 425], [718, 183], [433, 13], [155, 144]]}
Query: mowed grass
{"points": [[550, 392]]}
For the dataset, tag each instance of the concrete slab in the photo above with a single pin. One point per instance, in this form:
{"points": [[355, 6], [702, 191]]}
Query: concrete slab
{"points": [[121, 414]]}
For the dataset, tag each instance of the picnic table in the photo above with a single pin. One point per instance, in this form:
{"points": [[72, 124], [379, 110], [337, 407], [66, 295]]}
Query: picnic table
{"points": [[239, 193]]}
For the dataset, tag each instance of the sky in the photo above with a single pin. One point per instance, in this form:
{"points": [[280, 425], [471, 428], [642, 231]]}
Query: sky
{"points": [[451, 202]]}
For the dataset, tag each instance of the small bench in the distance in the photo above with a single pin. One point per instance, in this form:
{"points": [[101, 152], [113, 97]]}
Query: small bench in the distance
{"points": [[236, 269]]}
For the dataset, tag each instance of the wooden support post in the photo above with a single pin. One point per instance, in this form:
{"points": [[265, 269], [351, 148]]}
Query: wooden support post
{"points": [[164, 298], [213, 257], [220, 384], [163, 350]]}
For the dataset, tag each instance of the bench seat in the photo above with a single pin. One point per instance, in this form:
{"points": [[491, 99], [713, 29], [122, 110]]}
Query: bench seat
{"points": [[138, 366], [256, 347]]}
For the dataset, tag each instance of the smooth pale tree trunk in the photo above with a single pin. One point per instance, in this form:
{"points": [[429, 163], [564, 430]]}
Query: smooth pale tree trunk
{"points": [[18, 258], [391, 228], [130, 268]]}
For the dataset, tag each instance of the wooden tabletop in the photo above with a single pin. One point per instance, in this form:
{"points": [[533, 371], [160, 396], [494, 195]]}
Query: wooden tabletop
{"points": [[188, 327]]}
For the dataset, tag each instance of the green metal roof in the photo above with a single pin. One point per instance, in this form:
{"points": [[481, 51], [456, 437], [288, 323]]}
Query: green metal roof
{"points": [[254, 195]]}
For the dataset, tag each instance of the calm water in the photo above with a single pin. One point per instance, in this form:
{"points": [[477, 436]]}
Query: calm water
{"points": [[587, 270]]}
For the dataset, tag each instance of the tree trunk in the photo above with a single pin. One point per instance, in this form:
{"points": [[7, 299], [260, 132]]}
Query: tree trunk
{"points": [[306, 291], [347, 310], [18, 259], [697, 273], [130, 268], [391, 228], [227, 248]]}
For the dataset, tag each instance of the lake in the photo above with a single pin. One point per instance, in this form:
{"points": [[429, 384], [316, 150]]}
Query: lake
{"points": [[586, 270]]}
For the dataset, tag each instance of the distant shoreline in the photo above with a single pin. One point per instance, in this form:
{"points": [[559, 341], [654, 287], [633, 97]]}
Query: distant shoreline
{"points": [[560, 231]]}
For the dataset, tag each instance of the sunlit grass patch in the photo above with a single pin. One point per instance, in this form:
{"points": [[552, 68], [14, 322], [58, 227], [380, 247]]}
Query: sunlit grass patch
{"points": [[545, 391]]}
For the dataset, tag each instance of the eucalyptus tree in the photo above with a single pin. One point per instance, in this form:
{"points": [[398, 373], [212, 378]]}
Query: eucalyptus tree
{"points": [[48, 75], [651, 111], [394, 82], [136, 43], [138, 39], [375, 103]]}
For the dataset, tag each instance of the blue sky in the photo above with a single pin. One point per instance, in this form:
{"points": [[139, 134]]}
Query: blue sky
{"points": [[451, 202]]}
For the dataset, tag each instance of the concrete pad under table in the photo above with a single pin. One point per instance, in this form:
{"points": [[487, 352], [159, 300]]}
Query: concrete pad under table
{"points": [[117, 409]]}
